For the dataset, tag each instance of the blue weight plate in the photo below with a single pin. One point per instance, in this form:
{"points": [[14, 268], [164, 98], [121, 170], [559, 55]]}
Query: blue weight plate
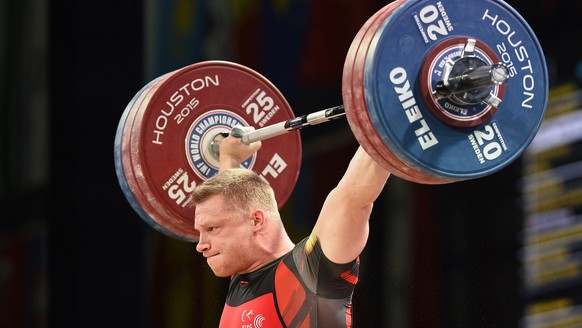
{"points": [[400, 115], [356, 109], [353, 95]]}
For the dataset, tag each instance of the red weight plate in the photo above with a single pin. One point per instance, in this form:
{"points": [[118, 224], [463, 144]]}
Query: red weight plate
{"points": [[357, 116], [352, 100], [172, 131], [347, 94], [155, 216], [120, 138]]}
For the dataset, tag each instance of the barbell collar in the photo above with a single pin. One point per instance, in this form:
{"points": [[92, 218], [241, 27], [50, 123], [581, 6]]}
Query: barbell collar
{"points": [[478, 78]]}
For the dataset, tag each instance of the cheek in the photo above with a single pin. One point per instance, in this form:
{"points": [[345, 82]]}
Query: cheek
{"points": [[238, 247], [236, 252]]}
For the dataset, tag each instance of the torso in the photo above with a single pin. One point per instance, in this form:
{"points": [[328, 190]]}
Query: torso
{"points": [[301, 289]]}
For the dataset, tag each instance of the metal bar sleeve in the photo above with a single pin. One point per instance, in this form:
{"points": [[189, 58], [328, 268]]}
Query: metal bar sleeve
{"points": [[296, 123]]}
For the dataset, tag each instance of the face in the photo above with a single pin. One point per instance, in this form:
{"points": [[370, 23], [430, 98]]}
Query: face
{"points": [[225, 237]]}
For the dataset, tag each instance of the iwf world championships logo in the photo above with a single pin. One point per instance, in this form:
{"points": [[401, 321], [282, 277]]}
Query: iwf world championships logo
{"points": [[200, 137]]}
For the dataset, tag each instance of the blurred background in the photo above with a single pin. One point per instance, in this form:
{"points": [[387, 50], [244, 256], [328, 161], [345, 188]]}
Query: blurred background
{"points": [[501, 251]]}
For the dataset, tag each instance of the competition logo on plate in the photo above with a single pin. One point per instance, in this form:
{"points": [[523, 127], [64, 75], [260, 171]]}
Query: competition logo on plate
{"points": [[200, 137]]}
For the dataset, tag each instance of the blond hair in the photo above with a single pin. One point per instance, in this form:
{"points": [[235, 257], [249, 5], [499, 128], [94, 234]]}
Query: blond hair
{"points": [[242, 190]]}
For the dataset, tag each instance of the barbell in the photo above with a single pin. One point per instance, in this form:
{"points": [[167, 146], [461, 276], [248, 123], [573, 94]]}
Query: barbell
{"points": [[435, 91]]}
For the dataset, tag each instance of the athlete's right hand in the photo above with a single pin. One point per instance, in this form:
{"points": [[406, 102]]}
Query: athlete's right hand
{"points": [[233, 151]]}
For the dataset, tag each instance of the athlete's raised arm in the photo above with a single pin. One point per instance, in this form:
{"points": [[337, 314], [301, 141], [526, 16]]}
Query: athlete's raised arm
{"points": [[342, 227]]}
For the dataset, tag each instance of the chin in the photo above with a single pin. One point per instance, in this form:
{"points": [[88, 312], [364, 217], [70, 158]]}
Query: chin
{"points": [[221, 273]]}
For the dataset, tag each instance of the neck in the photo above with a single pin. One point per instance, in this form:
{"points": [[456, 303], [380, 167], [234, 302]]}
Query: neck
{"points": [[281, 245], [272, 247]]}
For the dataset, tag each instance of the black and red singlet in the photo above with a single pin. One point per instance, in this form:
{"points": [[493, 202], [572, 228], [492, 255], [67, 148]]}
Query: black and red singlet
{"points": [[301, 289]]}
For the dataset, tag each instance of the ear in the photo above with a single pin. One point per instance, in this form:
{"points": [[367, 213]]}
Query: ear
{"points": [[259, 219]]}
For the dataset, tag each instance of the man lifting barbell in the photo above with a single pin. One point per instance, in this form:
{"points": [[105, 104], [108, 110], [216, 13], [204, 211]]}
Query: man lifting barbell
{"points": [[241, 234], [434, 92]]}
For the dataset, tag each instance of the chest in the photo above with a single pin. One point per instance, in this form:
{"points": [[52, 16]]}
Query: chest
{"points": [[256, 313], [268, 300]]}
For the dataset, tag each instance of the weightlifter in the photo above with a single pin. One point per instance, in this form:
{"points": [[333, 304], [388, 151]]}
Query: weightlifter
{"points": [[274, 282]]}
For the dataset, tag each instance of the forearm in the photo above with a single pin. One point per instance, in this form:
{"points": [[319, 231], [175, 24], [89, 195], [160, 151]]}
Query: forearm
{"points": [[363, 180], [229, 162]]}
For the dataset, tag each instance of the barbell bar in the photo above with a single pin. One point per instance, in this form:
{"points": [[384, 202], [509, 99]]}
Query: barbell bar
{"points": [[480, 78]]}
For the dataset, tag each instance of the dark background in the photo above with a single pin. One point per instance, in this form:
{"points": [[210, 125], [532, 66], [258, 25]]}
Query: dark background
{"points": [[74, 254]]}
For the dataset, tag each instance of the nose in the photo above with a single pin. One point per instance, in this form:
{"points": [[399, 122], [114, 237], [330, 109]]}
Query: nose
{"points": [[202, 244]]}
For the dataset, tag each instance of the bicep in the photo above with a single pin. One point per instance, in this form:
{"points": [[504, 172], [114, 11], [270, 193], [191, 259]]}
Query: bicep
{"points": [[342, 228]]}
